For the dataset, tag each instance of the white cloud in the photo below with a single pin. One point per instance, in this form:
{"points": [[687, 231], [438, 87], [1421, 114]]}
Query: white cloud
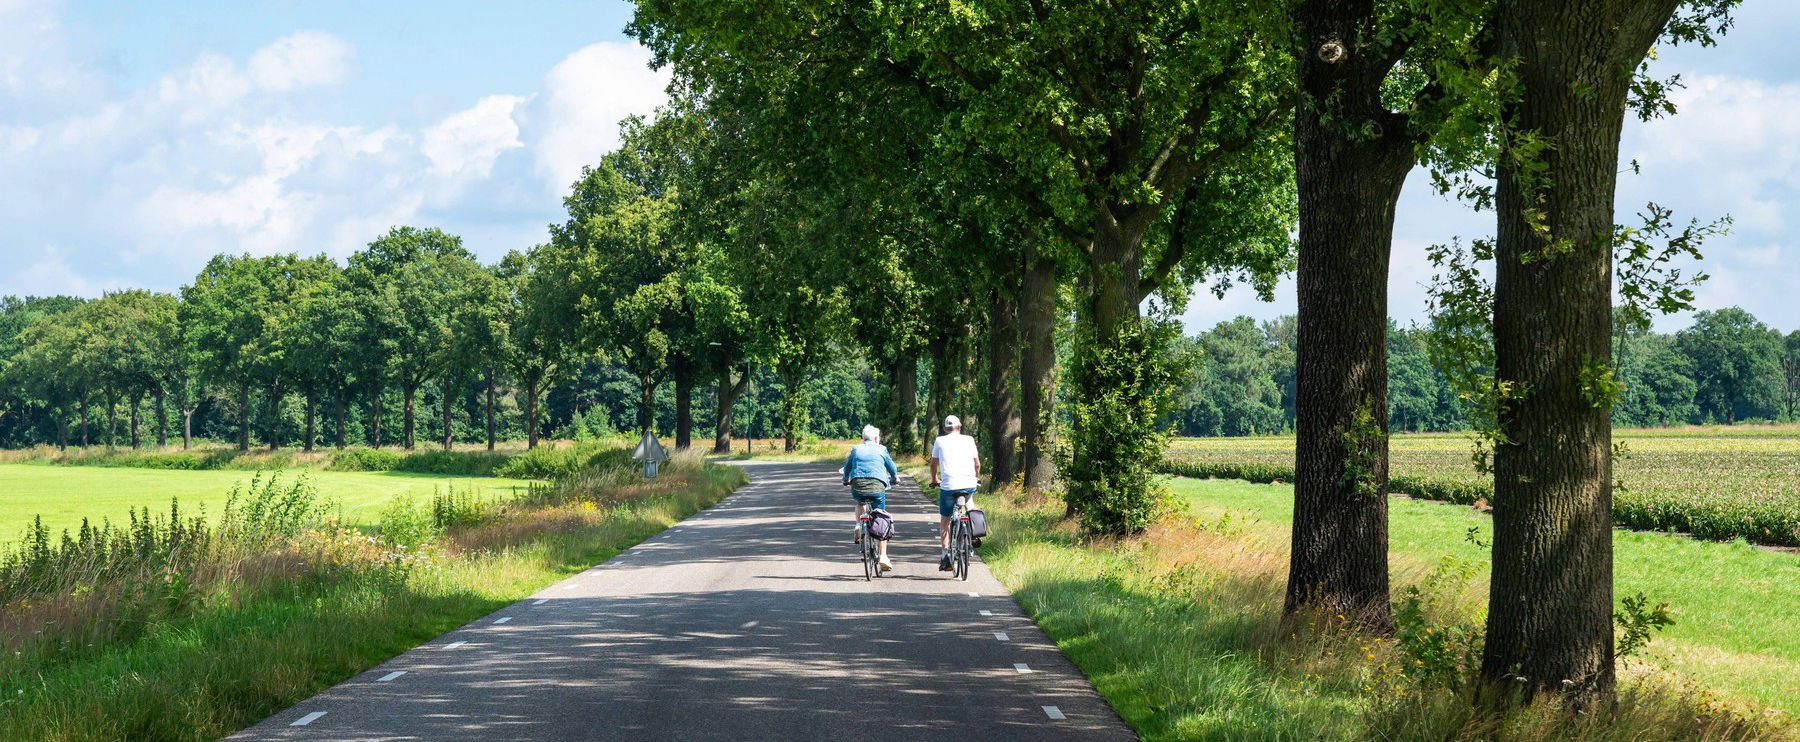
{"points": [[585, 97], [468, 141], [50, 275], [302, 59]]}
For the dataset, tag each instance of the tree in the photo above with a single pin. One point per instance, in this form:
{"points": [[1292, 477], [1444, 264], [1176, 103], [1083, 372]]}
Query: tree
{"points": [[223, 313], [1736, 363], [537, 347], [1790, 372], [22, 415], [1570, 70], [400, 280]]}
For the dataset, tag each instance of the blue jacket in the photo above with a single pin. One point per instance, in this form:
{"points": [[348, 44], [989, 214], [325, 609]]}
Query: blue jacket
{"points": [[871, 460]]}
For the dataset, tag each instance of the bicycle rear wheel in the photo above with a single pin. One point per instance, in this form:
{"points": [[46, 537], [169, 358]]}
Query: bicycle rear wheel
{"points": [[962, 553], [869, 566]]}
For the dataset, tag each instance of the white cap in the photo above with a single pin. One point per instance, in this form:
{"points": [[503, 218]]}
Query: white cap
{"points": [[951, 421]]}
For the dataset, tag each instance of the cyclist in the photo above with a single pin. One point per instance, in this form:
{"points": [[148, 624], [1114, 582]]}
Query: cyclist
{"points": [[869, 472], [955, 472]]}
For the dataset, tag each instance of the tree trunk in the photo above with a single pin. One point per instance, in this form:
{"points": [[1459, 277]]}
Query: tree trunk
{"points": [[135, 403], [491, 381], [684, 405], [1349, 183], [790, 410], [187, 428], [406, 437], [162, 419], [337, 412], [375, 415], [903, 383], [938, 396], [84, 423], [312, 408], [1037, 366], [275, 396], [112, 421], [1002, 372], [727, 397], [1115, 272], [1549, 625], [244, 415], [532, 383], [646, 405], [449, 431]]}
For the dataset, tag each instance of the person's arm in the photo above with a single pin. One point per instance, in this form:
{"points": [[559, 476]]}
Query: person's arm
{"points": [[934, 467], [893, 473], [848, 460]]}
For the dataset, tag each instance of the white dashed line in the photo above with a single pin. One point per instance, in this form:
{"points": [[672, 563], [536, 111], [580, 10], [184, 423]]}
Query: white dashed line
{"points": [[974, 595], [987, 613], [1021, 667], [540, 601], [502, 619], [1054, 713], [390, 676], [453, 645], [1001, 635], [307, 719]]}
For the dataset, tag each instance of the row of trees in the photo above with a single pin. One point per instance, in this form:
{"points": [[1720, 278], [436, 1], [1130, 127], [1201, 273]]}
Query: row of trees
{"points": [[1728, 367], [928, 180]]}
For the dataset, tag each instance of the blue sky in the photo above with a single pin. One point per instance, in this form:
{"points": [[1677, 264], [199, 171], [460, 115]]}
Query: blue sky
{"points": [[137, 139]]}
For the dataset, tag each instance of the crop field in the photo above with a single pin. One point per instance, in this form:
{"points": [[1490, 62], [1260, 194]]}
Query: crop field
{"points": [[1713, 483], [64, 495]]}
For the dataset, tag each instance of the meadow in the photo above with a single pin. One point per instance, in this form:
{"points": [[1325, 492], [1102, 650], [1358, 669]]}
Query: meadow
{"points": [[1709, 482], [64, 495]]}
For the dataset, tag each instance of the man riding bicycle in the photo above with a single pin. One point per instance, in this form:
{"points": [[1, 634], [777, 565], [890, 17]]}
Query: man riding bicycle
{"points": [[869, 472], [955, 459]]}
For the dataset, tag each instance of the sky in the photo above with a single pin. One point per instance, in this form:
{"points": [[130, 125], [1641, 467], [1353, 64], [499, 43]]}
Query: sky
{"points": [[138, 139]]}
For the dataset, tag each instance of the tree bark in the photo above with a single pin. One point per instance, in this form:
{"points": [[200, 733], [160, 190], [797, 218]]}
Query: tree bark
{"points": [[1349, 183], [532, 384], [135, 402], [162, 419], [406, 437], [1002, 372], [187, 428], [790, 409], [337, 412], [684, 405], [275, 396], [84, 422], [375, 415], [1037, 366], [112, 421], [938, 396], [244, 415], [727, 396], [903, 383], [646, 405], [312, 408], [445, 403], [491, 382], [1549, 625]]}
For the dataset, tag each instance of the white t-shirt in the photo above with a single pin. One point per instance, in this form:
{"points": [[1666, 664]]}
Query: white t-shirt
{"points": [[956, 456]]}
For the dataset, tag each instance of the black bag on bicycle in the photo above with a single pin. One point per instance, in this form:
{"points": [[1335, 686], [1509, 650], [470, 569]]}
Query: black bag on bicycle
{"points": [[977, 523], [881, 524]]}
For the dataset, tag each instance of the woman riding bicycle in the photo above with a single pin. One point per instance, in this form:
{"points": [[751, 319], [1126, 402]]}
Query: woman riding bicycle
{"points": [[869, 472]]}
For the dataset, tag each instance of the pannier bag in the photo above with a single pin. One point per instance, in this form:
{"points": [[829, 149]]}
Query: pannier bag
{"points": [[977, 523], [881, 524]]}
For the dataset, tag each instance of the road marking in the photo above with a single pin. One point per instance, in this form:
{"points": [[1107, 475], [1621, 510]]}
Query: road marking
{"points": [[987, 613], [570, 586], [748, 625], [1054, 713], [540, 601], [1021, 667], [974, 595], [1001, 635], [307, 719], [390, 676], [502, 619], [453, 645]]}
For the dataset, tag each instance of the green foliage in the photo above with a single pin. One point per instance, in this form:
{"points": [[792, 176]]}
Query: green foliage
{"points": [[1439, 653], [1120, 390], [407, 525], [1736, 363], [1637, 621], [453, 509], [365, 459]]}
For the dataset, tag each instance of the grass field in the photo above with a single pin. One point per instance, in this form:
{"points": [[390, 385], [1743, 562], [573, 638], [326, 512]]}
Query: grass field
{"points": [[64, 495], [1179, 629], [1715, 483]]}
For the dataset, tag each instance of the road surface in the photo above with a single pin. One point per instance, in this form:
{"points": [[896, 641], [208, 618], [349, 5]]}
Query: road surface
{"points": [[749, 621]]}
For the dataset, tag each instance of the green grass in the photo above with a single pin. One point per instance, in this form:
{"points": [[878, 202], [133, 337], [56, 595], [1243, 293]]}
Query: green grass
{"points": [[1735, 604], [245, 656], [64, 495]]}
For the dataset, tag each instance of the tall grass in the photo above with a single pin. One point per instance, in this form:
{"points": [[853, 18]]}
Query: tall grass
{"points": [[168, 629], [1181, 631]]}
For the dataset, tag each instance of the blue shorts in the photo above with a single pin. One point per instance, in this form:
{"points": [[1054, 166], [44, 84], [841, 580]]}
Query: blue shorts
{"points": [[879, 500], [947, 500]]}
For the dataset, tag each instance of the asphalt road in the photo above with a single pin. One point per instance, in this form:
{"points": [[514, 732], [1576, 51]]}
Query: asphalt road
{"points": [[749, 621]]}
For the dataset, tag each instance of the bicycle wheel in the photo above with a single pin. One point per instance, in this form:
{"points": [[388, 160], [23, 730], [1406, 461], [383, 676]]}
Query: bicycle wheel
{"points": [[962, 553], [868, 564]]}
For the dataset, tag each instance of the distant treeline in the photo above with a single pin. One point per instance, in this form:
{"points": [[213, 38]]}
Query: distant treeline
{"points": [[1727, 368]]}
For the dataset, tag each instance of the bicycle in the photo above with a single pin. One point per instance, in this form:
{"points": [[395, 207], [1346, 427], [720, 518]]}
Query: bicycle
{"points": [[871, 549], [962, 541]]}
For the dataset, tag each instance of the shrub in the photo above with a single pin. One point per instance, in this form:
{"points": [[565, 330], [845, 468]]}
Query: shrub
{"points": [[406, 525], [455, 463], [1121, 389], [364, 459]]}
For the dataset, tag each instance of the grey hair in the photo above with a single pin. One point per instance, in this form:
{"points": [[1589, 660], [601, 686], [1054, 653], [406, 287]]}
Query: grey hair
{"points": [[871, 434]]}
